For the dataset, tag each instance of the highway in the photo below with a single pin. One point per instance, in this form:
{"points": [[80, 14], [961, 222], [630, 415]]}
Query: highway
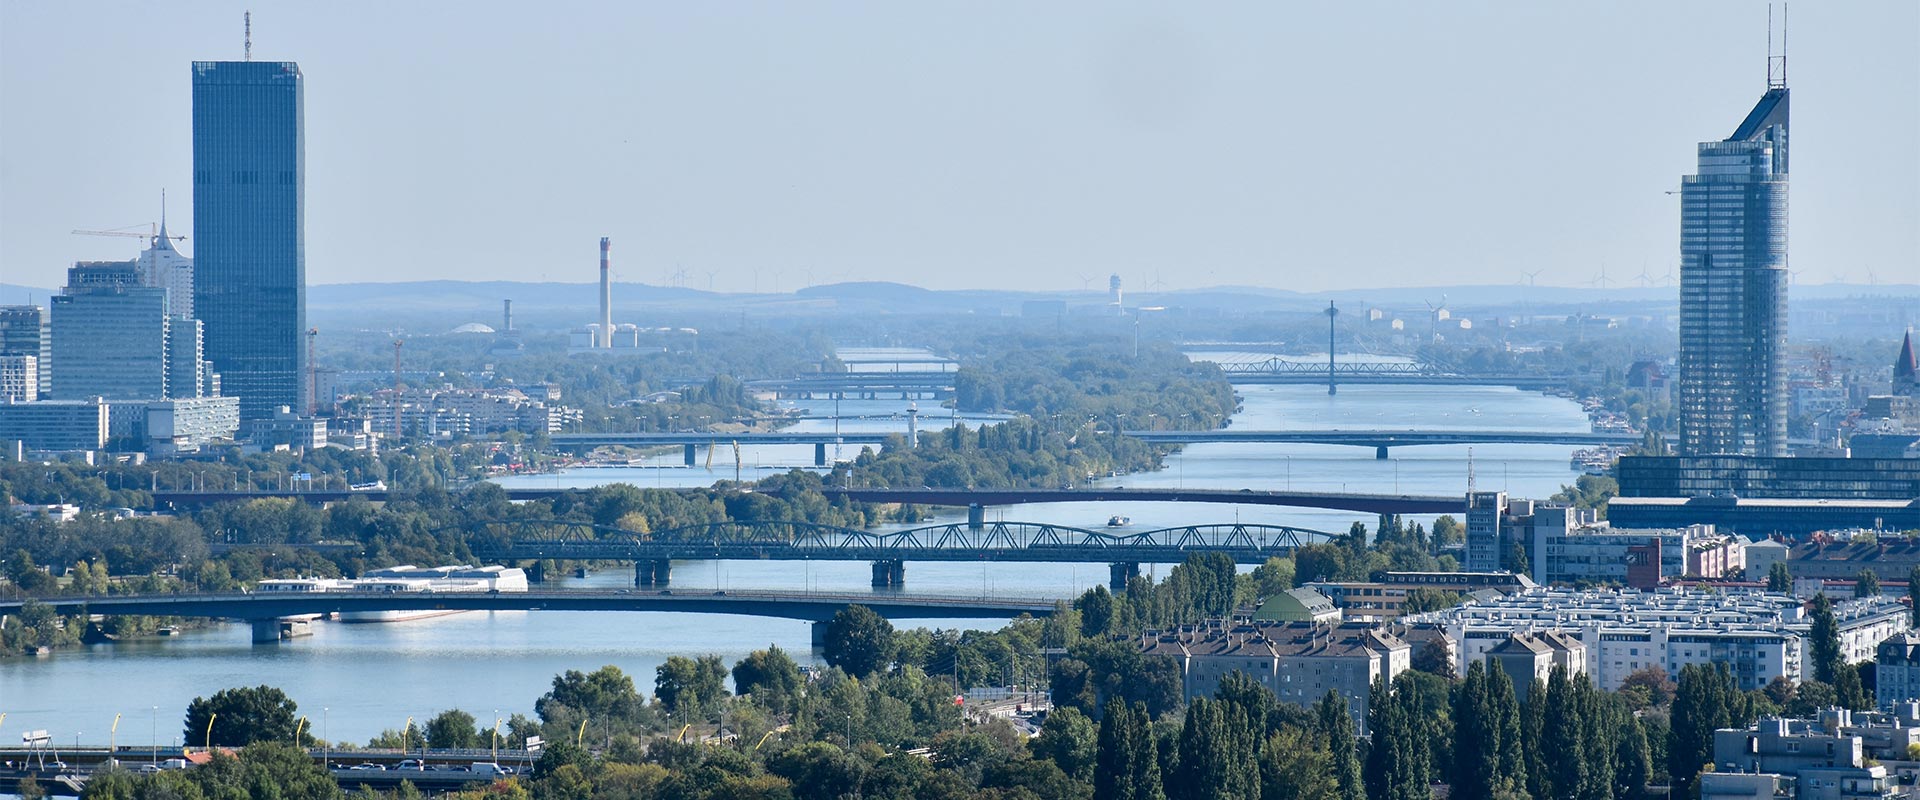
{"points": [[1363, 503]]}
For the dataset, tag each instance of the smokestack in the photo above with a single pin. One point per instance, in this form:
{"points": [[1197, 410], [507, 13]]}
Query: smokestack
{"points": [[606, 292], [506, 316]]}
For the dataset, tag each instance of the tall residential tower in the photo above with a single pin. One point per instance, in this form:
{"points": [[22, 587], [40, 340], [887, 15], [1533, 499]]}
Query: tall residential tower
{"points": [[1733, 288], [249, 227]]}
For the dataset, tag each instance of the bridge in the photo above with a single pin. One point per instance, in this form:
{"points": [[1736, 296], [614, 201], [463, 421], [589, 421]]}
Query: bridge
{"points": [[976, 540], [864, 385], [691, 441], [1281, 370], [1380, 440], [1336, 501], [281, 614]]}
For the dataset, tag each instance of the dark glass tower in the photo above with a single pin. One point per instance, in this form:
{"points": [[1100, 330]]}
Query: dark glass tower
{"points": [[249, 227], [1733, 289]]}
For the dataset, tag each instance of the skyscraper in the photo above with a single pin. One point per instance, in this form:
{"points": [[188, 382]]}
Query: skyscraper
{"points": [[109, 334], [1733, 288], [162, 266], [249, 226], [24, 331]]}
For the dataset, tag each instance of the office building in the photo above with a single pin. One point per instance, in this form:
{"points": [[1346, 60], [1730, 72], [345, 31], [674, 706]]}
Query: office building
{"points": [[162, 267], [1485, 539], [1761, 518], [186, 425], [287, 429], [19, 378], [109, 334], [1299, 661], [1771, 478], [25, 331], [55, 424], [1758, 635], [1732, 395], [1385, 597], [112, 338], [249, 222]]}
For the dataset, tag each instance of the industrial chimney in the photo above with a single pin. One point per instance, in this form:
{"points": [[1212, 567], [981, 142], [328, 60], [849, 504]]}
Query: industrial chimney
{"points": [[506, 316], [606, 293]]}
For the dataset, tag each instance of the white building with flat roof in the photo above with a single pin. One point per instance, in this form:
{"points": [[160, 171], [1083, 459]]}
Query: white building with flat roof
{"points": [[1758, 635]]}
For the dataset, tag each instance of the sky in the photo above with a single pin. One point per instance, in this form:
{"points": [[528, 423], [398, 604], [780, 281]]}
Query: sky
{"points": [[749, 146]]}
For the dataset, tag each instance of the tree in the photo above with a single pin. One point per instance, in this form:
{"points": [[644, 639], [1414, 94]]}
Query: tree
{"points": [[859, 641], [1295, 765], [1398, 766], [1096, 611], [1825, 647], [1491, 760], [1127, 762], [1273, 577], [1913, 595], [1847, 688], [1779, 578], [1422, 600], [1564, 739], [242, 716], [1071, 741], [605, 693], [819, 771], [1433, 658], [453, 728], [689, 686], [1654, 680], [1217, 755], [1334, 720], [1866, 584], [1707, 700], [770, 676]]}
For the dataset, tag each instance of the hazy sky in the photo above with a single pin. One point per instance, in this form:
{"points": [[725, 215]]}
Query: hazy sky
{"points": [[950, 145]]}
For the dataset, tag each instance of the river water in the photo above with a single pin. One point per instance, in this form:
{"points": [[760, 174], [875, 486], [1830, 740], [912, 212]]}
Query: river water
{"points": [[356, 680]]}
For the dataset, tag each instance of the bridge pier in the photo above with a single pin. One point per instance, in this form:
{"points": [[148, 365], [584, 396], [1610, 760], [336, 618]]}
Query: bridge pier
{"points": [[271, 631], [1380, 452], [819, 454], [889, 574], [688, 453], [976, 516], [656, 572], [1388, 522], [1119, 574], [819, 633]]}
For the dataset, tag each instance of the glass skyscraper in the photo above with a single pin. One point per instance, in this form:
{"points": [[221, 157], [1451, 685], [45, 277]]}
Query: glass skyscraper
{"points": [[249, 227], [1733, 289]]}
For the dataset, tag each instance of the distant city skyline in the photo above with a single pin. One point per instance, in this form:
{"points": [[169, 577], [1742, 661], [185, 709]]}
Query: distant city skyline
{"points": [[769, 147]]}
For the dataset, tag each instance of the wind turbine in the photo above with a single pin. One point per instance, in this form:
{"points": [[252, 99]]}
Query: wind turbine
{"points": [[1531, 275], [1602, 280]]}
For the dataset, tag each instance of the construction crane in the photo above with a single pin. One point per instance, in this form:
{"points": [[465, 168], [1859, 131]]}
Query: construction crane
{"points": [[155, 234]]}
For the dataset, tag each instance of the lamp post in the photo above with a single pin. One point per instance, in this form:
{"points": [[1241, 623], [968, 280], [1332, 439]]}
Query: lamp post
{"points": [[326, 741], [153, 734]]}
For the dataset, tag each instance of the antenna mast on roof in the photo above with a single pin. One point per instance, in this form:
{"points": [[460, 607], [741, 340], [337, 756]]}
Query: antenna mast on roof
{"points": [[1777, 64], [247, 51]]}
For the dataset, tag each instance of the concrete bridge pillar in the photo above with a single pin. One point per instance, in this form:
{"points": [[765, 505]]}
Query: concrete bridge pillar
{"points": [[1380, 452], [819, 634], [889, 574], [819, 454], [271, 631], [1119, 574], [655, 572], [976, 516], [688, 453]]}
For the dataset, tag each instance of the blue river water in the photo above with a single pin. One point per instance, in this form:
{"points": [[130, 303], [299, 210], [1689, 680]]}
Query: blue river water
{"points": [[356, 680]]}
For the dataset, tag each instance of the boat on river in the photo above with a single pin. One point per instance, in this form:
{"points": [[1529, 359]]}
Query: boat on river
{"points": [[407, 578]]}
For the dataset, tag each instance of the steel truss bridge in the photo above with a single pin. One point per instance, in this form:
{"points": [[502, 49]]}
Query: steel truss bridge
{"points": [[1246, 543], [653, 554]]}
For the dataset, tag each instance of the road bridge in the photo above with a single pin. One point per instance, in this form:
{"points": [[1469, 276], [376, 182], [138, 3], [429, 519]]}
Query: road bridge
{"points": [[653, 554], [690, 442], [1336, 501], [863, 385], [1380, 440], [278, 614]]}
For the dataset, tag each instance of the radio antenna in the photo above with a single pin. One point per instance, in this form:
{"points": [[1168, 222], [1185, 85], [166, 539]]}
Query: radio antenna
{"points": [[247, 49]]}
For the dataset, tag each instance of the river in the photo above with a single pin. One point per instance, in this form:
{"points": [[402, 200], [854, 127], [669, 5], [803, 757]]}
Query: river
{"points": [[356, 680]]}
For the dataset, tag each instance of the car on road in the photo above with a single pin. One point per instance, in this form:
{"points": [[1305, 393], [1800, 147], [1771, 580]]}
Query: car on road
{"points": [[368, 766], [412, 763]]}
